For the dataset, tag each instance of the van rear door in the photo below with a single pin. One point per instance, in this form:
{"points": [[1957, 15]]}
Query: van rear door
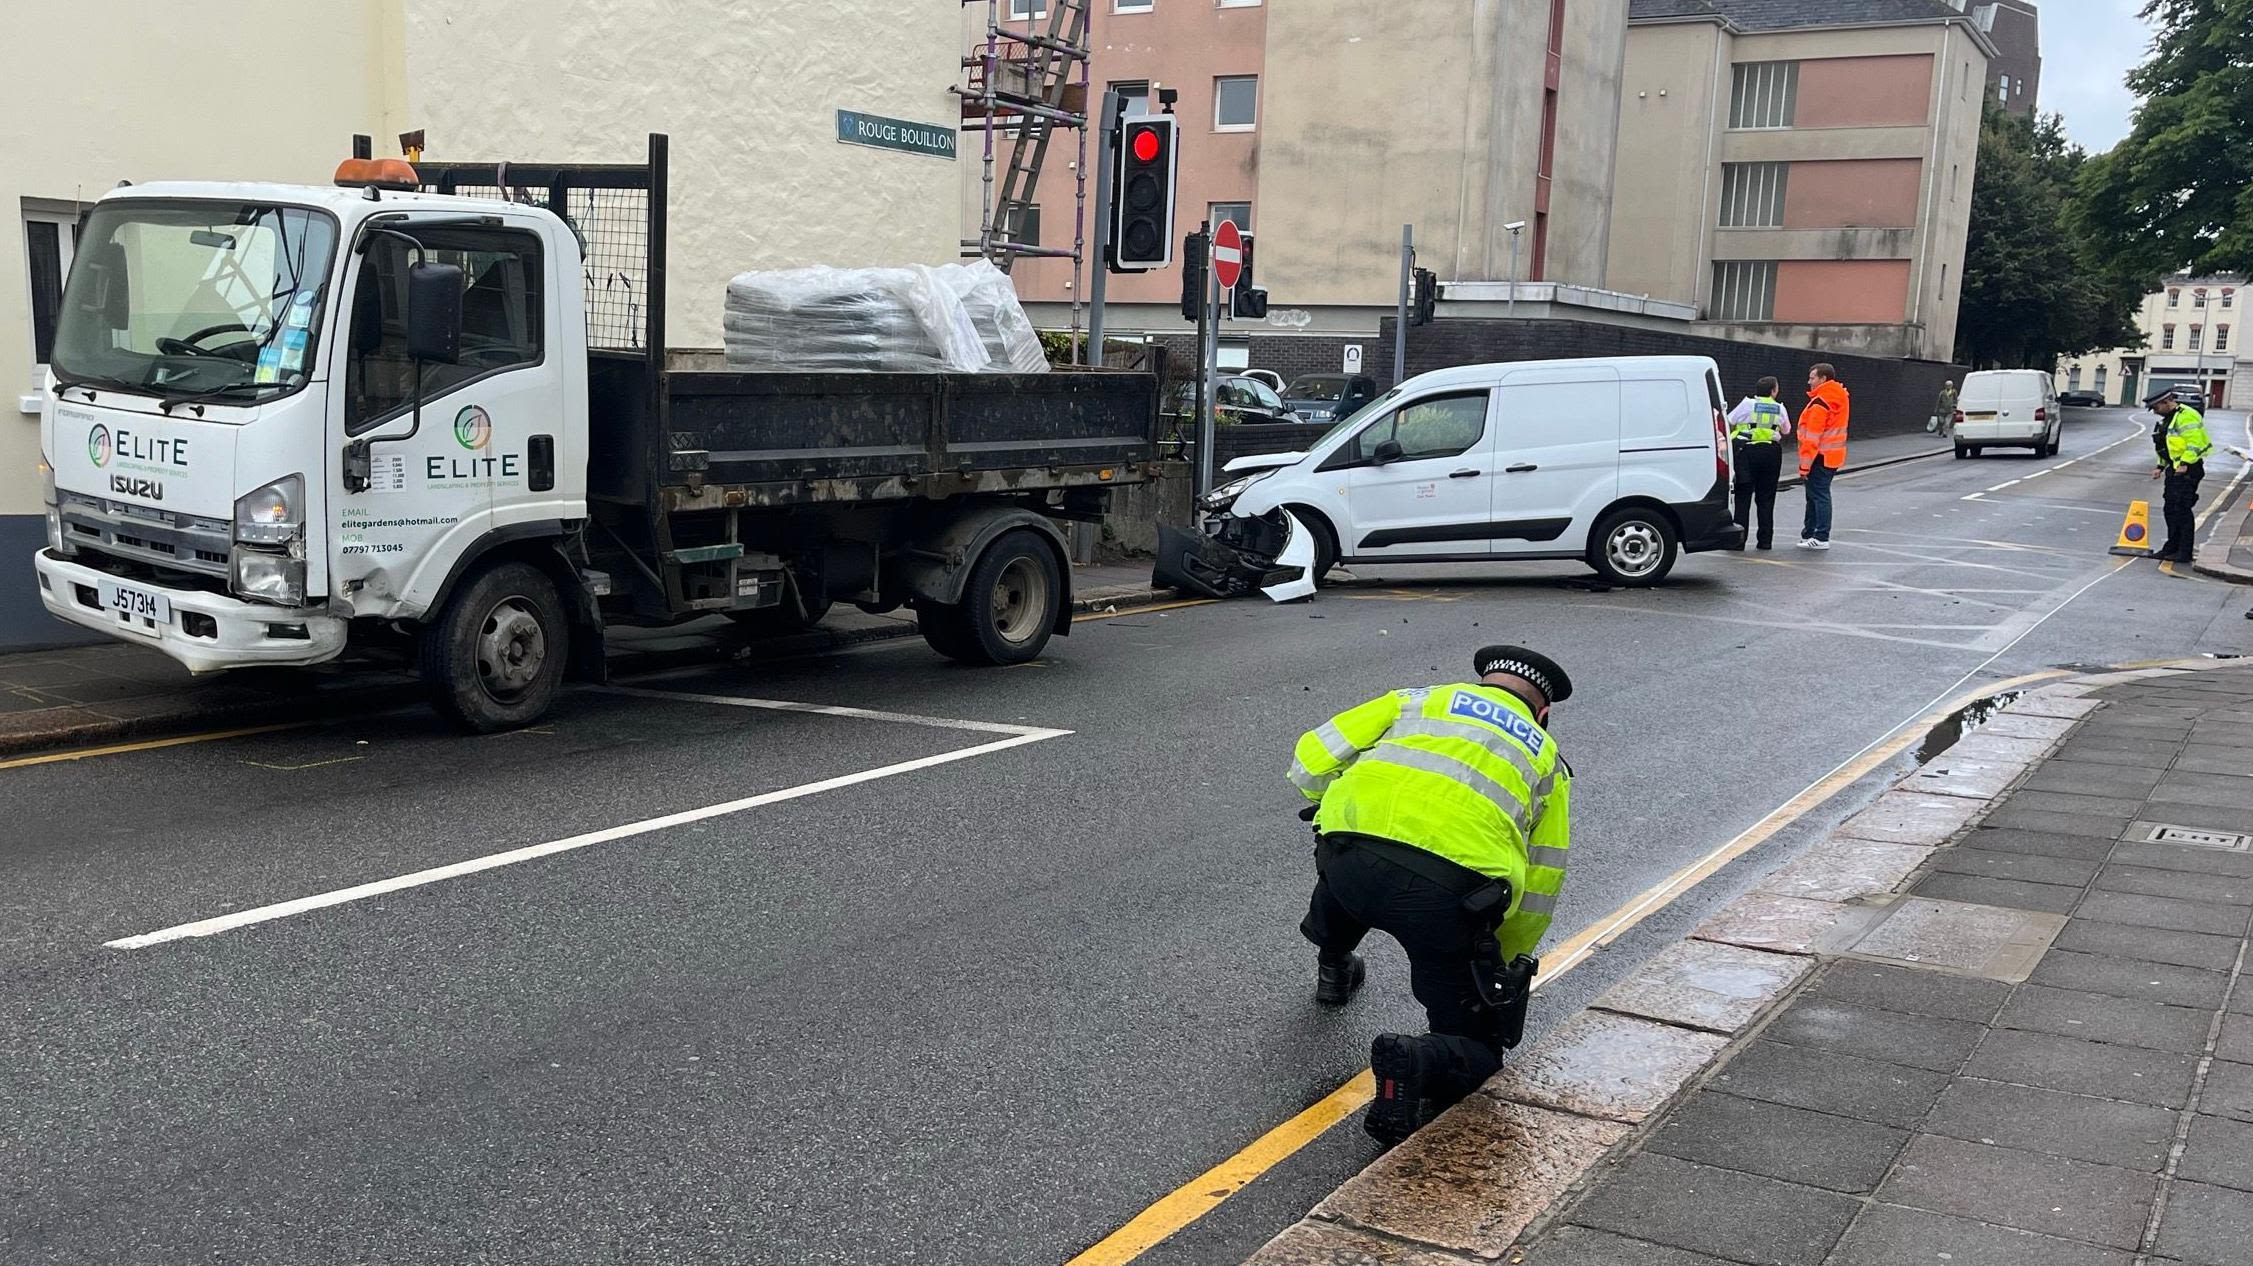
{"points": [[1557, 447]]}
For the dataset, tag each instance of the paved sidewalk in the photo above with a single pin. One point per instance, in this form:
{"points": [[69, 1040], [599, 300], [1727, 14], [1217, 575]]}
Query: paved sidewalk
{"points": [[88, 694], [1869, 454], [2040, 1052]]}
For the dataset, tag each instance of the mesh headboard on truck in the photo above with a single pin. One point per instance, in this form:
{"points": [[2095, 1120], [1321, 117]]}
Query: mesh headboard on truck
{"points": [[618, 210]]}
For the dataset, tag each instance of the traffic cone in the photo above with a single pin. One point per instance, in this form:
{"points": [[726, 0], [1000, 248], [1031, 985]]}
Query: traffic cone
{"points": [[2135, 531]]}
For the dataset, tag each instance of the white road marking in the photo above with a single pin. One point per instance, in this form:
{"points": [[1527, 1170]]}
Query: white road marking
{"points": [[1016, 736], [834, 710], [2047, 470]]}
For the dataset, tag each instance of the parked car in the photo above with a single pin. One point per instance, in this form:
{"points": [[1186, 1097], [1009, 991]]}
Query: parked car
{"points": [[1273, 380], [1619, 462], [1236, 398], [1329, 397], [2008, 408], [2081, 399]]}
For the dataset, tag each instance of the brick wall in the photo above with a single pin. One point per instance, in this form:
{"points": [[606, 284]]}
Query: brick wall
{"points": [[1891, 397], [1287, 354]]}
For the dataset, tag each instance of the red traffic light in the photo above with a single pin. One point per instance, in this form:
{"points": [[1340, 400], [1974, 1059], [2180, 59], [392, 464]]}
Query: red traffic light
{"points": [[1146, 145]]}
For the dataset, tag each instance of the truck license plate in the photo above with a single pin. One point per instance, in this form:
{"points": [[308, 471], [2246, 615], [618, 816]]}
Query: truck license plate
{"points": [[139, 604]]}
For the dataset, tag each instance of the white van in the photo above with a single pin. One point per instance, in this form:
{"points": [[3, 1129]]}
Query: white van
{"points": [[1620, 462], [2008, 408]]}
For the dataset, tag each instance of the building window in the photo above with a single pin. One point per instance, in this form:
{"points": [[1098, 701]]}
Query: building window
{"points": [[1136, 92], [1240, 4], [2221, 338], [1024, 227], [1237, 213], [1764, 94], [1752, 195], [1026, 10], [1235, 103], [2073, 378], [2227, 295], [1132, 6], [2099, 383], [2166, 338], [1744, 290], [47, 242], [2197, 336], [2198, 297], [2174, 298], [2006, 87]]}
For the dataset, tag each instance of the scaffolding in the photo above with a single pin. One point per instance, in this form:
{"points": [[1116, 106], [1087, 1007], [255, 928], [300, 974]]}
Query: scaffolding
{"points": [[1023, 84]]}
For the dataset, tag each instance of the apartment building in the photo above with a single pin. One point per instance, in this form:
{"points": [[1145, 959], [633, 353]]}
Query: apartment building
{"points": [[1801, 170], [1323, 126], [2014, 75], [277, 89], [2193, 333]]}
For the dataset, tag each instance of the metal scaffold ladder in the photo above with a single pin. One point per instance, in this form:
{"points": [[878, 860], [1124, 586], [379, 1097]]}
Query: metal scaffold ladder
{"points": [[1024, 83]]}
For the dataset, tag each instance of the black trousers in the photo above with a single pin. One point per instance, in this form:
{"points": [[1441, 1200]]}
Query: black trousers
{"points": [[1759, 466], [2179, 505], [1357, 890]]}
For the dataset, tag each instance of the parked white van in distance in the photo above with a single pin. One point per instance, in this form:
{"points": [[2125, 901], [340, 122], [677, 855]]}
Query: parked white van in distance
{"points": [[2008, 408], [1618, 462]]}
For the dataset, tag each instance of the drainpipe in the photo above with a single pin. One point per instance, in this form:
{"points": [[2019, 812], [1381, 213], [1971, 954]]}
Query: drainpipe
{"points": [[1932, 182], [1701, 277]]}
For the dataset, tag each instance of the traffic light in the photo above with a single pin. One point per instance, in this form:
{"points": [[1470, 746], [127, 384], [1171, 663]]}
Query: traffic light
{"points": [[1143, 190], [1248, 301], [1426, 300], [1193, 248]]}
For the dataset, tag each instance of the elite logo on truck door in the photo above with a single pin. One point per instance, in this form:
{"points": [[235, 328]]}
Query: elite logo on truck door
{"points": [[473, 431]]}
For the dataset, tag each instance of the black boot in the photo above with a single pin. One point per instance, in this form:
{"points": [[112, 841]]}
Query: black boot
{"points": [[1409, 1087], [1338, 979]]}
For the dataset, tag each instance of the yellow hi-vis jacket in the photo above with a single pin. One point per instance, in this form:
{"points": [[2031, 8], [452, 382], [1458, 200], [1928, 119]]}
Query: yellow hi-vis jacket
{"points": [[1460, 771], [2186, 436]]}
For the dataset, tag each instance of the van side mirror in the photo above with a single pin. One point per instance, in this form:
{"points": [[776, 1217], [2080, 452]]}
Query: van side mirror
{"points": [[1389, 452], [434, 312]]}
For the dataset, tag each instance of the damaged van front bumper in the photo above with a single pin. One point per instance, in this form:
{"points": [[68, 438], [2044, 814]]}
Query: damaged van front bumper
{"points": [[1230, 556]]}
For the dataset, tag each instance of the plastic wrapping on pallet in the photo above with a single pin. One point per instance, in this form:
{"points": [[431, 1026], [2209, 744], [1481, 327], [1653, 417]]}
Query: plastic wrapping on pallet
{"points": [[964, 319]]}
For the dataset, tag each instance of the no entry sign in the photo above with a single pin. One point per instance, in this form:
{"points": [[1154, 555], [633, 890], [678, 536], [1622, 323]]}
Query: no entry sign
{"points": [[1228, 255]]}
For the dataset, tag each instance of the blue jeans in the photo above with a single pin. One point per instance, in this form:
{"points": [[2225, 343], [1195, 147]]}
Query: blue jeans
{"points": [[1818, 525]]}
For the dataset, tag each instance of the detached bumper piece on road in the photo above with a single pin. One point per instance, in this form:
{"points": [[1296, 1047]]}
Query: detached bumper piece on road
{"points": [[1233, 557]]}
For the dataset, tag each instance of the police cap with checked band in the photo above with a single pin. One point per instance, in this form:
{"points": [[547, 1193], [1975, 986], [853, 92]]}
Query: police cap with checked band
{"points": [[1534, 666]]}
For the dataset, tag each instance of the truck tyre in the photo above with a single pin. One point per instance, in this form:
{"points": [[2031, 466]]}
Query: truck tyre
{"points": [[1009, 605], [1633, 546], [494, 657]]}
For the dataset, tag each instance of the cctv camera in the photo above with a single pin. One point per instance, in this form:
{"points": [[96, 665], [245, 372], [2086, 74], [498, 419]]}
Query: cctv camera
{"points": [[1514, 225]]}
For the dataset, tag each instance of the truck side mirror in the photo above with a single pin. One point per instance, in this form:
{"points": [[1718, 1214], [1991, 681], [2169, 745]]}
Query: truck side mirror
{"points": [[434, 312], [1389, 452]]}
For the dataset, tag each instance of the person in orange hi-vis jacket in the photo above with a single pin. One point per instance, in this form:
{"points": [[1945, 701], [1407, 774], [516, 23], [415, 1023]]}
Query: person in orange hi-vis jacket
{"points": [[1822, 450]]}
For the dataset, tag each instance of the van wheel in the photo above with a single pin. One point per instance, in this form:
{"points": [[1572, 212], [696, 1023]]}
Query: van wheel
{"points": [[494, 658], [1009, 606], [1962, 452], [1633, 547], [1325, 541]]}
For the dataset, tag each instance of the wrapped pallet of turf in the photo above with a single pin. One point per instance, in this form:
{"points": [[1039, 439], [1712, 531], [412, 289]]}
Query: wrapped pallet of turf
{"points": [[872, 320], [1011, 344]]}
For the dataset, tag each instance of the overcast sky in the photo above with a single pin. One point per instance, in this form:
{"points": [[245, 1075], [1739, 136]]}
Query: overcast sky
{"points": [[2087, 45]]}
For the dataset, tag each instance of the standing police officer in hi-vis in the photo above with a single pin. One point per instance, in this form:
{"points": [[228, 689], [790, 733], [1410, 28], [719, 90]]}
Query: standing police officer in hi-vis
{"points": [[1756, 430], [1442, 816], [2181, 443]]}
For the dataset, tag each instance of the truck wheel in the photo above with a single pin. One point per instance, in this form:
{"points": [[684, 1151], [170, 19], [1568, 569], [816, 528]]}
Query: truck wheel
{"points": [[1633, 547], [494, 658], [1008, 608]]}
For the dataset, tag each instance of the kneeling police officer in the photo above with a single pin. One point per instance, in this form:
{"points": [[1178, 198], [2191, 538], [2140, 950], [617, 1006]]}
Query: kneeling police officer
{"points": [[1441, 816]]}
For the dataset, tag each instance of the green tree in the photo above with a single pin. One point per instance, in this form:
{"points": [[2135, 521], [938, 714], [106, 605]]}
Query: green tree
{"points": [[2033, 287], [2178, 192]]}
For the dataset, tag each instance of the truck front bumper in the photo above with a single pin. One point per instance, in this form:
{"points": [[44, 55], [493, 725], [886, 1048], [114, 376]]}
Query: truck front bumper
{"points": [[226, 632]]}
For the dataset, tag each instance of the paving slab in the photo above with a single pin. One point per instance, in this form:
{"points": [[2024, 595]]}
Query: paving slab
{"points": [[2131, 978], [1954, 775], [1318, 1243], [2103, 826], [2010, 894], [1889, 1236], [2126, 940], [1908, 817], [2228, 1091], [1841, 869], [2011, 723], [1918, 1041], [2181, 885], [2116, 752], [1615, 1067], [1705, 985], [2206, 1226], [1997, 942], [2099, 1018], [2212, 761], [1759, 920], [2092, 778], [2065, 704], [2164, 913], [2204, 816], [2040, 843], [2235, 1041], [2105, 1131], [2071, 1199], [1777, 1141], [1741, 1216], [1911, 991], [2136, 1074], [1996, 863], [2203, 861], [1585, 1246], [2219, 1152], [1823, 1081], [1471, 1180], [2180, 790], [1989, 745]]}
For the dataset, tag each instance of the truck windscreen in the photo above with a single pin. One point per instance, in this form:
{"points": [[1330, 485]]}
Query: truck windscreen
{"points": [[195, 299]]}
